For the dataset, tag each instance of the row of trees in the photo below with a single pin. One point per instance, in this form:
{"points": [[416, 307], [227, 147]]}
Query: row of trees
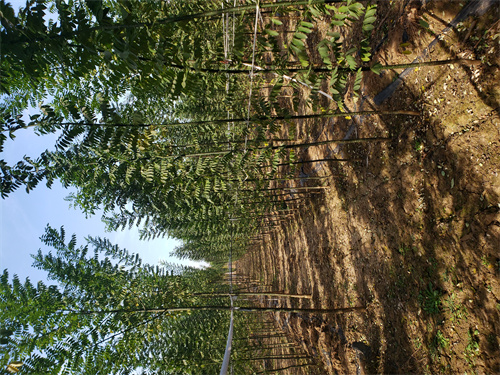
{"points": [[157, 126], [131, 85], [152, 116], [110, 313]]}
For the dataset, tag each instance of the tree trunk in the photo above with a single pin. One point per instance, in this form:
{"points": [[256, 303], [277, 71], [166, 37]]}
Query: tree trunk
{"points": [[363, 68], [291, 356], [283, 368], [341, 310], [251, 119], [270, 294]]}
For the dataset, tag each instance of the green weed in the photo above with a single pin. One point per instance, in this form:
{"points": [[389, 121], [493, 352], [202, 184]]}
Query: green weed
{"points": [[450, 275], [430, 300], [418, 145], [418, 343], [457, 310], [437, 344], [472, 348], [403, 249], [441, 341], [485, 261]]}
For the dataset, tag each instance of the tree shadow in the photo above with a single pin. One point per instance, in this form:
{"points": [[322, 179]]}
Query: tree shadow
{"points": [[411, 233], [429, 225], [432, 209]]}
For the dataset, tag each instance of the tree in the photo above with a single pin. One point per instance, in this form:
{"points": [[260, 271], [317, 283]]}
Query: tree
{"points": [[99, 312], [110, 313], [98, 47]]}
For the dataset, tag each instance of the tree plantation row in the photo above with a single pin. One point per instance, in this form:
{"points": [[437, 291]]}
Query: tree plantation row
{"points": [[162, 123], [114, 314]]}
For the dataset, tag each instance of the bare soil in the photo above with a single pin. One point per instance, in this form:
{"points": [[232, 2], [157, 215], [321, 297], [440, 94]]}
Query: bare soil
{"points": [[410, 230]]}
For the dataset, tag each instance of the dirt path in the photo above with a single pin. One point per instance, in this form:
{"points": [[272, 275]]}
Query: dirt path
{"points": [[412, 231]]}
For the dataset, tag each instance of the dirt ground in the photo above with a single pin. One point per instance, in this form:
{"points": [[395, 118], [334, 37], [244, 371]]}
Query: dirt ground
{"points": [[410, 230]]}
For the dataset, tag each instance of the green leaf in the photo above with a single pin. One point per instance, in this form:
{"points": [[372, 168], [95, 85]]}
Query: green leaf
{"points": [[334, 34], [423, 23], [334, 91], [370, 12], [95, 7], [351, 51], [298, 43], [350, 60], [369, 20], [295, 48], [107, 56], [356, 6], [271, 32], [303, 59], [324, 52], [315, 12], [276, 21], [307, 24], [376, 68], [300, 35], [304, 30]]}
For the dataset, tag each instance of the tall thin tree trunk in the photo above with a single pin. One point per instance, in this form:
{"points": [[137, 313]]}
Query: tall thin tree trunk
{"points": [[290, 356], [363, 68], [269, 294], [341, 310], [268, 371], [251, 119]]}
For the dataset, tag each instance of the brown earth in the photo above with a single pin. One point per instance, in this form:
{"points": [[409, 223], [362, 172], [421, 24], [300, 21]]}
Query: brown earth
{"points": [[410, 231]]}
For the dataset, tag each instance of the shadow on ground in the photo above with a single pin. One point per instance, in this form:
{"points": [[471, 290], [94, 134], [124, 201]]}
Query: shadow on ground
{"points": [[411, 232]]}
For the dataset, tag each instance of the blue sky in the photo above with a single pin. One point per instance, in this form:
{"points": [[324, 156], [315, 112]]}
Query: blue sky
{"points": [[23, 216]]}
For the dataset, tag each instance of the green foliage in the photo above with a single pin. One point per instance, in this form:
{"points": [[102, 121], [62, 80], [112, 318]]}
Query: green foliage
{"points": [[142, 94], [439, 342], [430, 300], [376, 68], [472, 349], [457, 310], [369, 19], [138, 103], [297, 44], [109, 305], [423, 22], [357, 81]]}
